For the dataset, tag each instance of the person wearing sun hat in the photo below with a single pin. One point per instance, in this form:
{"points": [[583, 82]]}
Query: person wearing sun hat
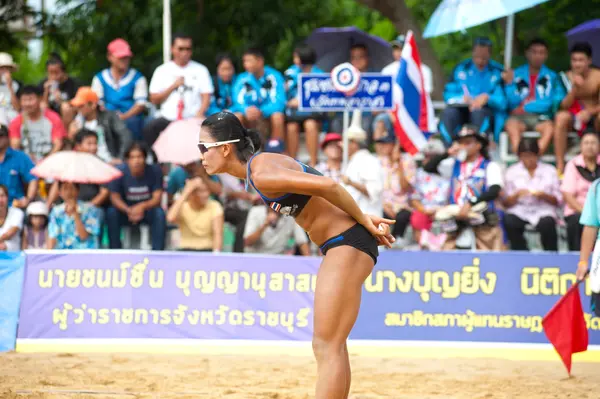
{"points": [[9, 102], [475, 181], [331, 146]]}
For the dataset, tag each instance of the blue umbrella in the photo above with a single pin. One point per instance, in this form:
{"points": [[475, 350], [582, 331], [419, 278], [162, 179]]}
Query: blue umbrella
{"points": [[457, 15], [587, 32], [332, 46]]}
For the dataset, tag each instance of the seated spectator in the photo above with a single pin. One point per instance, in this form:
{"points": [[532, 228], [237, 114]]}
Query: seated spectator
{"points": [[304, 62], [200, 218], [113, 136], [399, 178], [359, 58], [58, 88], [332, 148], [532, 196], [533, 92], [38, 132], [180, 174], [474, 94], [136, 197], [11, 223], [385, 120], [259, 95], [430, 192], [94, 194], [123, 89], [181, 89], [580, 172], [35, 232], [15, 173], [73, 224], [223, 82], [267, 232], [237, 202], [581, 105], [9, 90], [473, 179], [364, 175]]}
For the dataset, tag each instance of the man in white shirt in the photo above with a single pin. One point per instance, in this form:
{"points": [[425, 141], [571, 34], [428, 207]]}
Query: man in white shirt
{"points": [[181, 89], [363, 177]]}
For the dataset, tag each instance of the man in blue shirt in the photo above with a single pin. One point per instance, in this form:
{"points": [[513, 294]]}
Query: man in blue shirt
{"points": [[136, 197], [259, 94], [533, 92], [15, 173], [474, 94]]}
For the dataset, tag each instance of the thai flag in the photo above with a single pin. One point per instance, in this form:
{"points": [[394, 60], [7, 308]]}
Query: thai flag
{"points": [[413, 119]]}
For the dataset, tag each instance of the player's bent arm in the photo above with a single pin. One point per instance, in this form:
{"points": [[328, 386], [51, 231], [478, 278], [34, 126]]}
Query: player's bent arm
{"points": [[291, 181]]}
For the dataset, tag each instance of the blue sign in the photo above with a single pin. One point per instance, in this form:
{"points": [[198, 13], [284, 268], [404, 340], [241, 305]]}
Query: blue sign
{"points": [[467, 296], [317, 93], [12, 270]]}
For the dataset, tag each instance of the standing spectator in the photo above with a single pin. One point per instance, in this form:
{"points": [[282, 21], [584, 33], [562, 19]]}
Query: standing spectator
{"points": [[15, 173], [532, 196], [180, 174], [259, 94], [474, 179], [332, 148], [58, 88], [181, 89], [474, 94], [223, 82], [9, 89], [581, 105], [364, 175], [136, 197], [580, 173], [94, 194], [39, 132], [73, 224], [430, 193], [199, 217], [399, 178], [533, 92], [267, 232], [11, 223], [35, 232], [304, 62], [112, 133], [123, 89]]}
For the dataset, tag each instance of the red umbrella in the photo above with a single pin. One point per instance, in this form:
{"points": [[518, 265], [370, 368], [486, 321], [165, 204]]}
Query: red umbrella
{"points": [[76, 167]]}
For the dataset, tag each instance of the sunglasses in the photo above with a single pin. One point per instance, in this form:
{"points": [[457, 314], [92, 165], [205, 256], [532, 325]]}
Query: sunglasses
{"points": [[204, 147]]}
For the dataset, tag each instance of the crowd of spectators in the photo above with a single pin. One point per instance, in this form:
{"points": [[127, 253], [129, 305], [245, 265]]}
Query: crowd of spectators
{"points": [[452, 189]]}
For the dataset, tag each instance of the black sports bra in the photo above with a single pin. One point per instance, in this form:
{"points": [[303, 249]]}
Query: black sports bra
{"points": [[289, 204]]}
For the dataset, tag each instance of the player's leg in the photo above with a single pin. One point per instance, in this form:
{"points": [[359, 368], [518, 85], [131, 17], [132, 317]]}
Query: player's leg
{"points": [[337, 301]]}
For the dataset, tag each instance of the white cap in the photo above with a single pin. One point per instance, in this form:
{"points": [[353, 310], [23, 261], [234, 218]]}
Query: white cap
{"points": [[37, 208], [6, 60], [434, 146]]}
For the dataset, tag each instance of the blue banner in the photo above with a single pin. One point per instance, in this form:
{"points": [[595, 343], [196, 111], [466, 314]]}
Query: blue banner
{"points": [[316, 93], [12, 265], [466, 296]]}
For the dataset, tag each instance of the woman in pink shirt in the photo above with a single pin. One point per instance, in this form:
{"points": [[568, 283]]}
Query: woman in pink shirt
{"points": [[580, 172]]}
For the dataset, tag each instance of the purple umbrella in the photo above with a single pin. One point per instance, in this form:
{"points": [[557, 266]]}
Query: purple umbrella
{"points": [[333, 47], [587, 32]]}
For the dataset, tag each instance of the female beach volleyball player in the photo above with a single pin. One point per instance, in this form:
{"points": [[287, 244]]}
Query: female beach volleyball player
{"points": [[347, 237]]}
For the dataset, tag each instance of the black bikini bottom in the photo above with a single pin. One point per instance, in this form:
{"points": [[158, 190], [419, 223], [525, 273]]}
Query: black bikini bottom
{"points": [[357, 237]]}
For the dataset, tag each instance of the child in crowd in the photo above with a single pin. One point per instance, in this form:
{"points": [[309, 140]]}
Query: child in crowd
{"points": [[35, 233]]}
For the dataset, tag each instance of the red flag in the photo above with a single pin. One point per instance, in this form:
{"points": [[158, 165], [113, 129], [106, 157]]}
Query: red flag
{"points": [[565, 326]]}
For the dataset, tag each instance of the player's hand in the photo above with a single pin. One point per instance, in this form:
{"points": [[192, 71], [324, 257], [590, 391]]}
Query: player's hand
{"points": [[380, 229], [582, 269]]}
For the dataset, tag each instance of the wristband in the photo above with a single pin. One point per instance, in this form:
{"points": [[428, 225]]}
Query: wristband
{"points": [[582, 263]]}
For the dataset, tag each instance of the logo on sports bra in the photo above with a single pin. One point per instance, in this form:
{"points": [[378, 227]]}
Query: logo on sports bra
{"points": [[284, 210]]}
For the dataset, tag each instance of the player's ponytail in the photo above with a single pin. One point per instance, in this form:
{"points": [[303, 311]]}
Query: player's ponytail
{"points": [[253, 140]]}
